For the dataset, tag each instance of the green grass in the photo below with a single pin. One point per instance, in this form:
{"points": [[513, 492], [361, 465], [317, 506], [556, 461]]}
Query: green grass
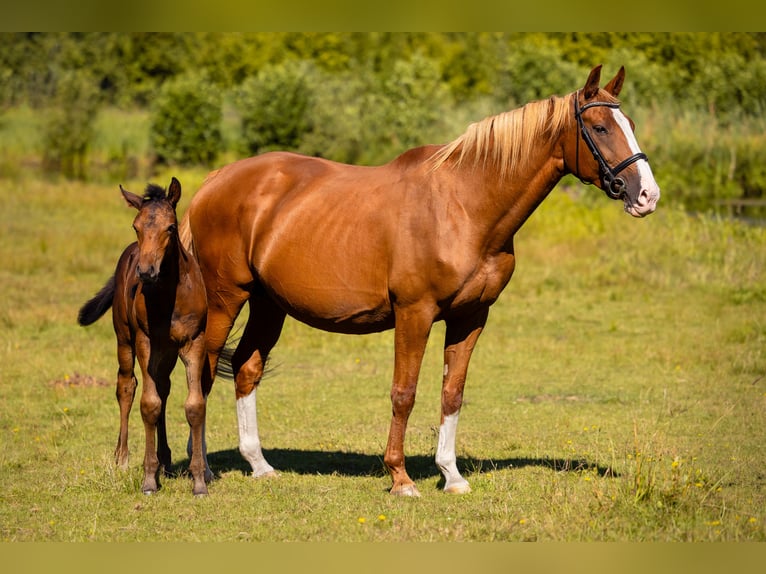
{"points": [[618, 393]]}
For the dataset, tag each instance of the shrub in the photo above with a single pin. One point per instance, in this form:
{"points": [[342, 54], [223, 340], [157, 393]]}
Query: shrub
{"points": [[186, 122], [274, 107]]}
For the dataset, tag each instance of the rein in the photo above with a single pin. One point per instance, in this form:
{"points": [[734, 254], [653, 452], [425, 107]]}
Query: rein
{"points": [[614, 186]]}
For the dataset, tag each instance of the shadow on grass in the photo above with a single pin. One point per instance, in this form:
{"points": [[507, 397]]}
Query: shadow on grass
{"points": [[359, 464]]}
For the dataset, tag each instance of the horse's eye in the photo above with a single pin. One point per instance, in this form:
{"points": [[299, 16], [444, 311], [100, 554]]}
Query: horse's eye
{"points": [[599, 129], [172, 229]]}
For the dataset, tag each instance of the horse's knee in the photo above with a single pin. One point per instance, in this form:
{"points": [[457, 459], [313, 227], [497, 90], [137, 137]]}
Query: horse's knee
{"points": [[403, 399], [195, 411], [151, 407]]}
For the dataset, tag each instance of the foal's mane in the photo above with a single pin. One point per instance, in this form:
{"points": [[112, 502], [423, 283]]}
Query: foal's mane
{"points": [[154, 192], [504, 139]]}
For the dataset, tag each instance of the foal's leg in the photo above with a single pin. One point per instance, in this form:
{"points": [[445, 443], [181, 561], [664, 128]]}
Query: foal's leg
{"points": [[458, 345], [193, 356], [410, 337], [126, 390], [164, 455], [151, 408], [262, 331]]}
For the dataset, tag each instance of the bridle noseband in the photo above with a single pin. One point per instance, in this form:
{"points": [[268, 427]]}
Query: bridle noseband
{"points": [[614, 186]]}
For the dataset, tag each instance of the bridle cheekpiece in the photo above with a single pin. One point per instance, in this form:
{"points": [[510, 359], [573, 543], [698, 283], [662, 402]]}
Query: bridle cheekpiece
{"points": [[614, 186]]}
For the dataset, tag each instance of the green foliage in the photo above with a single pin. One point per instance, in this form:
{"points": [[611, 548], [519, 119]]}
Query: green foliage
{"points": [[186, 122], [535, 71], [411, 100], [275, 107], [697, 98], [68, 128]]}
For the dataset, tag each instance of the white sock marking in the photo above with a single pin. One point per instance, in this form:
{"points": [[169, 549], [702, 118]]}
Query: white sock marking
{"points": [[249, 441], [445, 456]]}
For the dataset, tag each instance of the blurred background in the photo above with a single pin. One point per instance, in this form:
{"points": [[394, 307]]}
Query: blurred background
{"points": [[113, 106]]}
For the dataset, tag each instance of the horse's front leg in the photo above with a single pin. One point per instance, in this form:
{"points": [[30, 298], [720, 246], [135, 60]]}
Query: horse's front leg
{"points": [[459, 342], [126, 391], [410, 337], [193, 357], [151, 408]]}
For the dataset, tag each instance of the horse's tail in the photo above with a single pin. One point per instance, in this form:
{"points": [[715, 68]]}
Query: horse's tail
{"points": [[93, 309], [225, 368], [185, 234]]}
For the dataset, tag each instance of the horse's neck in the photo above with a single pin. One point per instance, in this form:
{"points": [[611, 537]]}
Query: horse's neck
{"points": [[507, 202]]}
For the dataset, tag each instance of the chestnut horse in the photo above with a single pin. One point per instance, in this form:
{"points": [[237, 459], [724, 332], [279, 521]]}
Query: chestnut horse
{"points": [[424, 238], [159, 311]]}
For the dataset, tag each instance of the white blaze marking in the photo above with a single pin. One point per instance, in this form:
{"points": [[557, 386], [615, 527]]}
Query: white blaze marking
{"points": [[249, 441], [644, 170]]}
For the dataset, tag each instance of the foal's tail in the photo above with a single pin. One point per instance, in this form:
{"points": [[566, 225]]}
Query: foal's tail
{"points": [[93, 309]]}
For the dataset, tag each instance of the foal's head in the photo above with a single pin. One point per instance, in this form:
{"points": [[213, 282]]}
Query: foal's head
{"points": [[156, 226]]}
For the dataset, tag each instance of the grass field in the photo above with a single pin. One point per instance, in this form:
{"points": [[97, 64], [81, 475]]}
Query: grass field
{"points": [[618, 393]]}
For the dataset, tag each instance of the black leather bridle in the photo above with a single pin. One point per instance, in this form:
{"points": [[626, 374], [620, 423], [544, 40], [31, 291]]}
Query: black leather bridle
{"points": [[613, 186]]}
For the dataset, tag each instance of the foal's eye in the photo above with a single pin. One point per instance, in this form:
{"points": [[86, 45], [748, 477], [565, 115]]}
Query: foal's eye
{"points": [[599, 129], [171, 229]]}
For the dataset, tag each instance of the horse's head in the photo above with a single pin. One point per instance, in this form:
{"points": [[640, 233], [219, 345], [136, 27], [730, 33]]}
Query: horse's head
{"points": [[156, 226], [602, 149]]}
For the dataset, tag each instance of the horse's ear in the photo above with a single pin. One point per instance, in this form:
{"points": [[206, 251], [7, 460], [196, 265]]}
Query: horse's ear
{"points": [[174, 192], [132, 199], [591, 86], [615, 84]]}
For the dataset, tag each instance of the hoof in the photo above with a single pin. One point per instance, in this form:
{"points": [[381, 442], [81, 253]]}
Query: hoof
{"points": [[405, 490], [458, 488], [148, 492], [267, 474]]}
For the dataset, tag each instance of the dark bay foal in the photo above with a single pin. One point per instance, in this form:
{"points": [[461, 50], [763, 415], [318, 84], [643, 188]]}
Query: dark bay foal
{"points": [[159, 311]]}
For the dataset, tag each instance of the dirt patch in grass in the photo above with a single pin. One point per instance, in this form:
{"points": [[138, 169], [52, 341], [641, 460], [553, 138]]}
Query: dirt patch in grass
{"points": [[79, 380]]}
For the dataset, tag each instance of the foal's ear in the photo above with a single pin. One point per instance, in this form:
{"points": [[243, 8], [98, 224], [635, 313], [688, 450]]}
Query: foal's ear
{"points": [[174, 192], [132, 199], [591, 86], [615, 84]]}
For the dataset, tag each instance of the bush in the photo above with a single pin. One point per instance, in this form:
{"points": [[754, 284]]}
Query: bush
{"points": [[186, 122], [275, 107], [533, 72]]}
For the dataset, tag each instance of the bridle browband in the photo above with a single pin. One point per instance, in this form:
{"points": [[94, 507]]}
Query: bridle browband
{"points": [[614, 186]]}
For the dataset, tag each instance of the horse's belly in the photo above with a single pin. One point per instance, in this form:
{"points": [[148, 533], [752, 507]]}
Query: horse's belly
{"points": [[337, 307]]}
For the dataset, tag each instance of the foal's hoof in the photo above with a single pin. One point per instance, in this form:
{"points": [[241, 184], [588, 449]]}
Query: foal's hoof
{"points": [[405, 490]]}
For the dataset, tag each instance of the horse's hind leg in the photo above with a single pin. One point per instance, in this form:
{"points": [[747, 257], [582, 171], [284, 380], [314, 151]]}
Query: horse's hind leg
{"points": [[126, 390], [459, 342], [262, 331]]}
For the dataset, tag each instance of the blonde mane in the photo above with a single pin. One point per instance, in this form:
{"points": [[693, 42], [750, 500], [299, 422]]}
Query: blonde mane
{"points": [[504, 139]]}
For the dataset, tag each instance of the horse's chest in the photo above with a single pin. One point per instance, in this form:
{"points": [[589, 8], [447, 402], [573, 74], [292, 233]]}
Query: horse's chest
{"points": [[485, 284]]}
